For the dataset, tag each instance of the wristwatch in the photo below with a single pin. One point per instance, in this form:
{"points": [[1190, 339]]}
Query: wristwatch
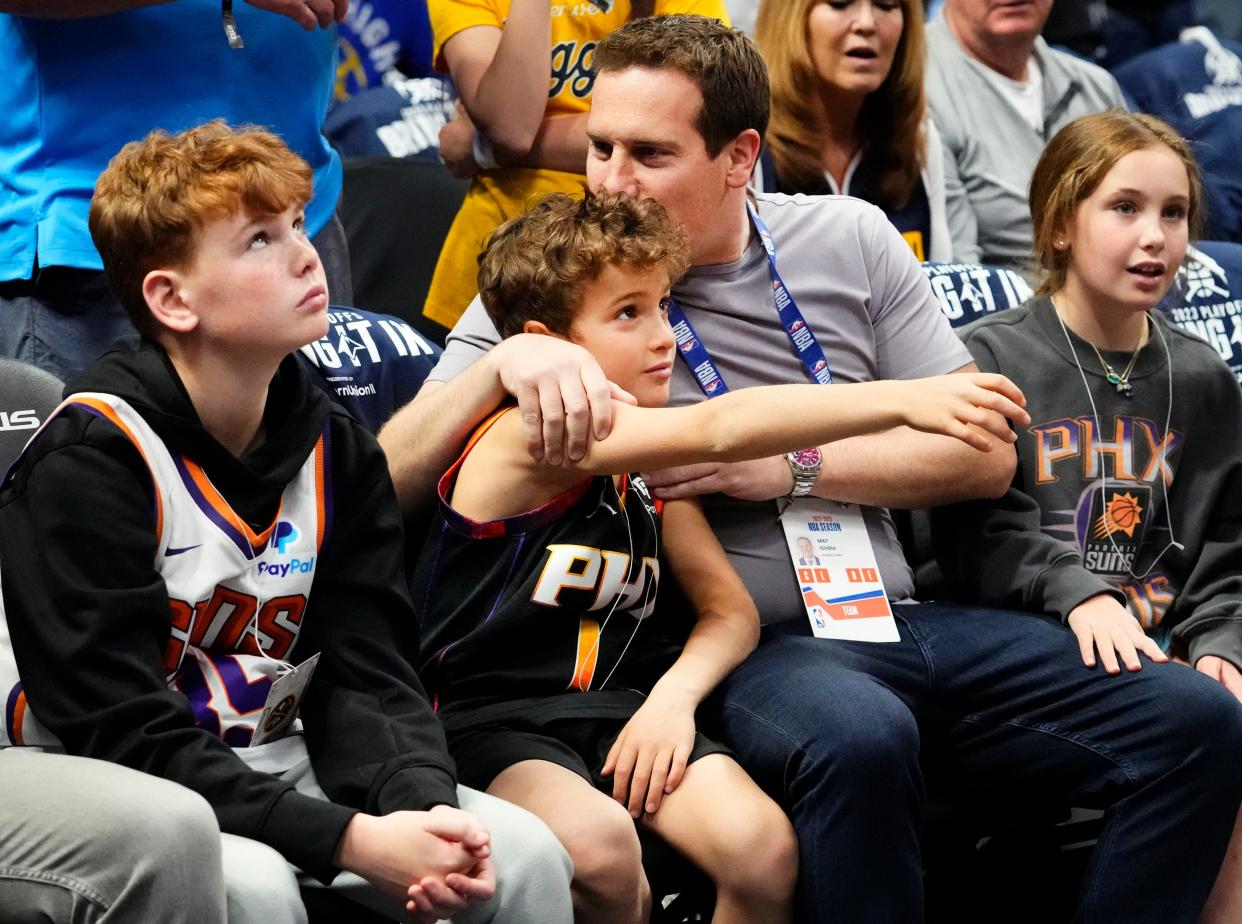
{"points": [[805, 465]]}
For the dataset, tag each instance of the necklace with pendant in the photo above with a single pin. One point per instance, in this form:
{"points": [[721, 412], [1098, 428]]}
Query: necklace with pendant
{"points": [[1121, 380]]}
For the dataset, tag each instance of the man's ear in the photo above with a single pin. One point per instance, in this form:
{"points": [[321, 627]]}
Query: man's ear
{"points": [[162, 290], [743, 151]]}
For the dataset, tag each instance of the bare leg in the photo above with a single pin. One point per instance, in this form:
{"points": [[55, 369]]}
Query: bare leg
{"points": [[739, 837], [1224, 905], [609, 886]]}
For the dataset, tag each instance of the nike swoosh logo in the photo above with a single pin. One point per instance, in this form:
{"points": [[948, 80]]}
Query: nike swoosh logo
{"points": [[171, 551]]}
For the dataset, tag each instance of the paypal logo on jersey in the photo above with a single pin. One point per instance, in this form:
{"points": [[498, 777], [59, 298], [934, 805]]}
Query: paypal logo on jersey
{"points": [[285, 569], [285, 533]]}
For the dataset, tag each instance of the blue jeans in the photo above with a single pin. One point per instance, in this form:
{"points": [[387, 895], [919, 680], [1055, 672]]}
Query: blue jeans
{"points": [[832, 730]]}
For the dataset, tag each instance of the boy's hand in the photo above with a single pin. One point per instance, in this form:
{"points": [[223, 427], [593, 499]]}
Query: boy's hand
{"points": [[306, 13], [1222, 672], [457, 144], [962, 404], [1103, 624], [649, 757], [441, 856], [564, 397]]}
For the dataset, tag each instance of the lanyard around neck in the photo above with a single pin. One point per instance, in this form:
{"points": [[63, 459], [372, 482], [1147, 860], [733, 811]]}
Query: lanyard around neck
{"points": [[801, 337]]}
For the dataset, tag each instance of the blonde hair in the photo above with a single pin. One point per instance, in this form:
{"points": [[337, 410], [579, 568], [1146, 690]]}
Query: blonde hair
{"points": [[1074, 163], [534, 266], [890, 122], [157, 192]]}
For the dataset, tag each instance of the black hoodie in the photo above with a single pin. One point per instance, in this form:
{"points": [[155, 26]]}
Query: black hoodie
{"points": [[89, 615]]}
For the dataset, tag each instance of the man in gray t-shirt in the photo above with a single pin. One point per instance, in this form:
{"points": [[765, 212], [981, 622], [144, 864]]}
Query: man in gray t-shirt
{"points": [[874, 314], [832, 728]]}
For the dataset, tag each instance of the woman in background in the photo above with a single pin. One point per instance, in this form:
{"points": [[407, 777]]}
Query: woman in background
{"points": [[849, 113]]}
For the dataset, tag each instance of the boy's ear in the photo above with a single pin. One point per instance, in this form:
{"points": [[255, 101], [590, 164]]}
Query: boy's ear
{"points": [[162, 290], [742, 151], [538, 327]]}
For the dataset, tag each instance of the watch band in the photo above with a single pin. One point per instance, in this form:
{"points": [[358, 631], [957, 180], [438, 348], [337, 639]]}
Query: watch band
{"points": [[805, 465]]}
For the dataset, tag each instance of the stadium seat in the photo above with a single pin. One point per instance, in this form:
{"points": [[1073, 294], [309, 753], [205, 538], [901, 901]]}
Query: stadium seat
{"points": [[969, 291], [396, 213], [1206, 298], [27, 395]]}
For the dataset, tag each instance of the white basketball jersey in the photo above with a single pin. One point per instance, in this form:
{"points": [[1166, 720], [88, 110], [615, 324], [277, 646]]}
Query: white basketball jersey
{"points": [[236, 596]]}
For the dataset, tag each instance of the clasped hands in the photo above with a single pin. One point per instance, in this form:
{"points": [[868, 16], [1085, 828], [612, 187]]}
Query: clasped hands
{"points": [[439, 861]]}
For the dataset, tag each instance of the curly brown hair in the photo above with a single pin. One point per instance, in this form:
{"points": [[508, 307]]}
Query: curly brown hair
{"points": [[1074, 163], [534, 266], [158, 191]]}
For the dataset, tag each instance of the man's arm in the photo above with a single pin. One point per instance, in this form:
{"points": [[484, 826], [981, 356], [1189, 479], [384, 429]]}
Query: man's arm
{"points": [[562, 395], [309, 14], [963, 225]]}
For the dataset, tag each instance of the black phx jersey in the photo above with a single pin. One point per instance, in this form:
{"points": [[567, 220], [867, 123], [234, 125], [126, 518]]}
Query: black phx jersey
{"points": [[540, 604]]}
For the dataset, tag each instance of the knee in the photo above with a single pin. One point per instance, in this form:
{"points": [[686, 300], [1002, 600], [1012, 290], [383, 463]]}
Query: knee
{"points": [[1206, 720], [177, 823], [761, 865], [607, 857], [533, 871], [865, 745]]}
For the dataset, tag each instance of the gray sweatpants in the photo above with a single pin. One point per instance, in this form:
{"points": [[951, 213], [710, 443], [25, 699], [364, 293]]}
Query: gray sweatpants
{"points": [[533, 871], [90, 842]]}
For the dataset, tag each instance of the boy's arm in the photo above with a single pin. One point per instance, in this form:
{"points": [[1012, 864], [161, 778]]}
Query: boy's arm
{"points": [[758, 422], [562, 394], [373, 739], [502, 74], [89, 621], [649, 757]]}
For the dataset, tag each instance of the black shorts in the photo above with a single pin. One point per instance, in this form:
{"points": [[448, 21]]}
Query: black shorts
{"points": [[483, 752]]}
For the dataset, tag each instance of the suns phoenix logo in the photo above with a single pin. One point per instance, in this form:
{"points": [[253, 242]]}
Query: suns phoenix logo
{"points": [[1123, 514]]}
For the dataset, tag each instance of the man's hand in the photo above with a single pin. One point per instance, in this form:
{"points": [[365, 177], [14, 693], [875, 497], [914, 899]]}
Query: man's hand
{"points": [[457, 144], [306, 13], [963, 404], [755, 480], [1103, 624], [649, 757], [439, 861], [1222, 672], [563, 395]]}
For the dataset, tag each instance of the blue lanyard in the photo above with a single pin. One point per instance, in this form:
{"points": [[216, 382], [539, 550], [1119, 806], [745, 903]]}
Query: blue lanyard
{"points": [[695, 354]]}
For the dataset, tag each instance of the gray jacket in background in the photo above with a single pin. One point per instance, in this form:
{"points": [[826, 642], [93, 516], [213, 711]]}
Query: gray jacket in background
{"points": [[991, 151]]}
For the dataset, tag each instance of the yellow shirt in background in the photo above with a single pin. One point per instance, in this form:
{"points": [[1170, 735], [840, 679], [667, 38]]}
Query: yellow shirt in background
{"points": [[498, 195]]}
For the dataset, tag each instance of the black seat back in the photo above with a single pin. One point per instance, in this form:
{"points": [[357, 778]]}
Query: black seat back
{"points": [[27, 395]]}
